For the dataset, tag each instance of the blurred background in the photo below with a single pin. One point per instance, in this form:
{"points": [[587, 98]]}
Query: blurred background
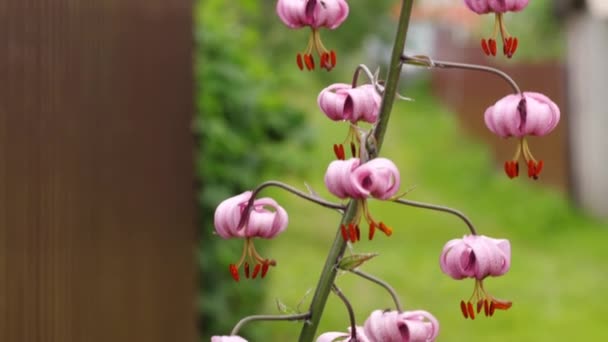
{"points": [[123, 123]]}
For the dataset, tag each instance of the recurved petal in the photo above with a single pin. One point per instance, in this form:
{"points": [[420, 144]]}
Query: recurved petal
{"points": [[328, 13], [264, 222], [331, 101], [338, 177], [501, 6], [418, 325], [542, 114], [378, 177], [292, 13], [233, 338], [362, 104], [227, 215], [503, 118], [343, 336]]}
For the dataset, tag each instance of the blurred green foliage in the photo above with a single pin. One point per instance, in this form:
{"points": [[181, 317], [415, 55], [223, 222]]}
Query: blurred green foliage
{"points": [[240, 122]]}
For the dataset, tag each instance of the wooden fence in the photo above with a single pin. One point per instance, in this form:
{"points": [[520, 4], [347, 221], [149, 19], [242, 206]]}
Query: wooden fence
{"points": [[97, 235]]}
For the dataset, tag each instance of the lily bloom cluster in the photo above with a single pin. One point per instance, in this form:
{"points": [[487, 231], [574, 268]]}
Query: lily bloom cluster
{"points": [[391, 326], [262, 223], [314, 14], [519, 115], [342, 102], [477, 257], [498, 8], [378, 178]]}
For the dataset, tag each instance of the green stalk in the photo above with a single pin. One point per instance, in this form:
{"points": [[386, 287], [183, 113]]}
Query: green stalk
{"points": [[328, 275]]}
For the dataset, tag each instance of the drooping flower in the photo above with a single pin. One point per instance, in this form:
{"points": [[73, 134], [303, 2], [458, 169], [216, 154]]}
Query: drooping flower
{"points": [[499, 7], [344, 337], [262, 223], [233, 338], [342, 102], [315, 14], [408, 326], [378, 178], [478, 257], [518, 116]]}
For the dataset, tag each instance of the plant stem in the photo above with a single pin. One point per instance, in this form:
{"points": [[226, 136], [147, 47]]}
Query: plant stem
{"points": [[328, 275], [428, 62], [442, 208], [383, 284], [349, 308], [295, 317]]}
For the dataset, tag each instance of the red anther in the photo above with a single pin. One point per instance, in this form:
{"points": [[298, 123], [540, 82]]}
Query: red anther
{"points": [[265, 267], [256, 270], [492, 307], [486, 307], [339, 151], [344, 233], [484, 47], [234, 272], [514, 46], [539, 167], [246, 270], [324, 64], [492, 45], [332, 58], [512, 168], [470, 310], [531, 168], [299, 61], [506, 46], [479, 305], [358, 232], [353, 150], [310, 63], [385, 229], [463, 308], [353, 232], [501, 305], [372, 230]]}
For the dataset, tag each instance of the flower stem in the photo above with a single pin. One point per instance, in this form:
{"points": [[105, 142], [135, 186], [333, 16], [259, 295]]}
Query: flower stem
{"points": [[445, 209], [428, 62], [293, 190], [328, 275], [382, 283], [349, 308], [242, 322]]}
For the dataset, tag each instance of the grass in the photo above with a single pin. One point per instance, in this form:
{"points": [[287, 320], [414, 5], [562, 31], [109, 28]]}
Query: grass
{"points": [[558, 278]]}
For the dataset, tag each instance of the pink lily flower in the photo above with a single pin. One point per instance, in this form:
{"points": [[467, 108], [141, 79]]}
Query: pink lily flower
{"points": [[232, 338], [408, 326], [499, 7], [341, 102], [345, 337], [262, 223], [520, 115], [378, 178], [477, 256], [315, 14]]}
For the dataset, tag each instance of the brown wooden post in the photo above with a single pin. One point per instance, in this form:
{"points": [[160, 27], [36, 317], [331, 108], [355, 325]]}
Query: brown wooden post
{"points": [[97, 235]]}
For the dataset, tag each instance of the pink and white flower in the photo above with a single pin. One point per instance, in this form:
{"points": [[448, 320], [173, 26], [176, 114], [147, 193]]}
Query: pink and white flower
{"points": [[478, 257], [408, 326], [266, 220], [499, 7], [378, 178], [314, 14], [519, 115], [341, 102]]}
